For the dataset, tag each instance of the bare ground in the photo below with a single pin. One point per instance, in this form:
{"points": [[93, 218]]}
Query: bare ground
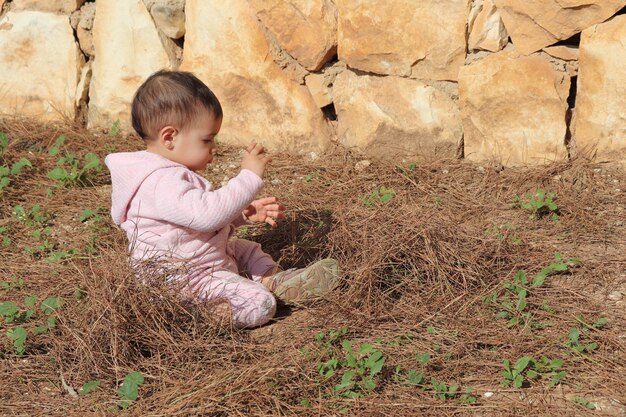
{"points": [[418, 271]]}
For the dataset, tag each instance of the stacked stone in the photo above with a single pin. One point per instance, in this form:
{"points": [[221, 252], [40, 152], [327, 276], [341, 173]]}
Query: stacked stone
{"points": [[495, 80]]}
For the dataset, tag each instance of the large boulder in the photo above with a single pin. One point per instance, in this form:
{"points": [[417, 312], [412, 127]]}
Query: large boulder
{"points": [[394, 116], [121, 66], [535, 24], [33, 81], [421, 39], [601, 97], [306, 29], [513, 109], [227, 49], [55, 6], [487, 31]]}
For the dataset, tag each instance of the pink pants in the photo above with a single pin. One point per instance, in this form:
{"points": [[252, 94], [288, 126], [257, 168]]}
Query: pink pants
{"points": [[251, 302]]}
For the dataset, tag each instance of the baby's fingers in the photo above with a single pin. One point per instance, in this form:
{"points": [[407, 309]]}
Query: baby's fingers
{"points": [[255, 149], [271, 222]]}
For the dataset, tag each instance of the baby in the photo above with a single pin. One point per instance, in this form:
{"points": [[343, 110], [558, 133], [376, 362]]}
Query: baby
{"points": [[173, 217]]}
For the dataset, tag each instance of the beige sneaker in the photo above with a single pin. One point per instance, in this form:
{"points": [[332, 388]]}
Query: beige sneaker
{"points": [[313, 281]]}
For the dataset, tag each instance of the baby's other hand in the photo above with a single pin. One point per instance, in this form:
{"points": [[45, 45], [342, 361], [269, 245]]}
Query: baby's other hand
{"points": [[265, 210], [255, 159]]}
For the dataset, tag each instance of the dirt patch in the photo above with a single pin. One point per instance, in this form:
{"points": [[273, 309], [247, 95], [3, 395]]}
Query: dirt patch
{"points": [[431, 255]]}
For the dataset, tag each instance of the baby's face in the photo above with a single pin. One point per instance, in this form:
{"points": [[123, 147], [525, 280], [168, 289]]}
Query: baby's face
{"points": [[195, 145]]}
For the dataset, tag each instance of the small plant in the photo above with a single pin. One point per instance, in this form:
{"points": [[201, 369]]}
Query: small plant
{"points": [[502, 231], [514, 375], [574, 342], [35, 217], [358, 367], [13, 314], [89, 387], [527, 368], [359, 370], [18, 337], [513, 303], [4, 142], [584, 402], [382, 195], [16, 169], [443, 391], [129, 390], [93, 220], [115, 129], [6, 240], [540, 204], [69, 172], [311, 176], [56, 148], [13, 284]]}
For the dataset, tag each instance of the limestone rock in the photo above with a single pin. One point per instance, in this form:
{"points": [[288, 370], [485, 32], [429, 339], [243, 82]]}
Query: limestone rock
{"points": [[535, 24], [227, 49], [87, 16], [601, 96], [33, 81], [169, 16], [85, 40], [422, 39], [307, 29], [121, 66], [391, 116], [566, 53], [513, 109], [321, 84], [320, 90], [487, 29], [55, 6]]}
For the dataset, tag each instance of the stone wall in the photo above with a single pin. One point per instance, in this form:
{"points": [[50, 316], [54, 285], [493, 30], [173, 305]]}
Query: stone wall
{"points": [[509, 81]]}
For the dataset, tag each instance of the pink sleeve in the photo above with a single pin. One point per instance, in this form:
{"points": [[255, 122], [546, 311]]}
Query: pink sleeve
{"points": [[180, 202], [241, 220]]}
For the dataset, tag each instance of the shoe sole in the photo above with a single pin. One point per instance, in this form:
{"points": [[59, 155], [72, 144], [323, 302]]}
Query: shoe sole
{"points": [[315, 281]]}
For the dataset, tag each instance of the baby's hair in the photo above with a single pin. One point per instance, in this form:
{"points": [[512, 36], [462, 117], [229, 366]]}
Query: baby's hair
{"points": [[171, 98]]}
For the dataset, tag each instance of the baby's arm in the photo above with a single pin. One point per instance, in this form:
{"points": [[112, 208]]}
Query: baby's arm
{"points": [[178, 201]]}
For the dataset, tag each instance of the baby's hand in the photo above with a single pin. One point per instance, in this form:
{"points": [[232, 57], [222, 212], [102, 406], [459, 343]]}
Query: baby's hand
{"points": [[265, 210], [255, 159]]}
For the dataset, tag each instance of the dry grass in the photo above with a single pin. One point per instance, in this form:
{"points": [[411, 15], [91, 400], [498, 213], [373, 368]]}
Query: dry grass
{"points": [[423, 261]]}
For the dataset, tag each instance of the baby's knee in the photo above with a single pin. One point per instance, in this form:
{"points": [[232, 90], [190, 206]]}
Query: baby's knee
{"points": [[256, 312]]}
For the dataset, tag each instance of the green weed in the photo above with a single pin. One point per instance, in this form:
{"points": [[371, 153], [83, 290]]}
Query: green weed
{"points": [[71, 171], [16, 169], [527, 368], [13, 314], [6, 240], [502, 231], [357, 367], [382, 195], [35, 217], [89, 387], [539, 203], [576, 334], [11, 285], [513, 303], [584, 402], [129, 390], [311, 176], [56, 148], [115, 129], [4, 142]]}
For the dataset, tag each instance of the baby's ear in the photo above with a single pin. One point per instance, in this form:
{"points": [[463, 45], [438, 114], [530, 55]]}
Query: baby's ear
{"points": [[167, 136]]}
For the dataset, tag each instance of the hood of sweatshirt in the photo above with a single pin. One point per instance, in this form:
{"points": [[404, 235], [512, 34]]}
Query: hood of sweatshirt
{"points": [[128, 172]]}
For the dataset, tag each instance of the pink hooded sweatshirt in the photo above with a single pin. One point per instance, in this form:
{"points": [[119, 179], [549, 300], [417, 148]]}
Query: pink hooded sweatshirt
{"points": [[173, 214]]}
